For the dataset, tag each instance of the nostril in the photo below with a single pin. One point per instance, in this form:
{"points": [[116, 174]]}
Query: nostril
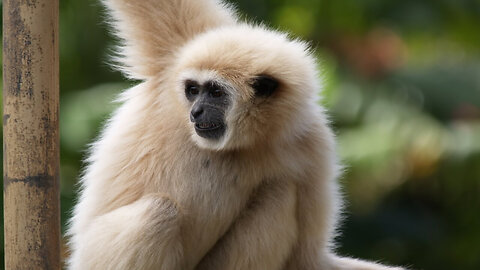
{"points": [[196, 112]]}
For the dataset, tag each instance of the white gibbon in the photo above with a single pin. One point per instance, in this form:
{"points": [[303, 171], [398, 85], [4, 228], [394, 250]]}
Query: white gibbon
{"points": [[221, 158]]}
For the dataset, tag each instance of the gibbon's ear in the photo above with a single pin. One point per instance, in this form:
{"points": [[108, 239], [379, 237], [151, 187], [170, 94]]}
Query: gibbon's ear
{"points": [[264, 86], [151, 30]]}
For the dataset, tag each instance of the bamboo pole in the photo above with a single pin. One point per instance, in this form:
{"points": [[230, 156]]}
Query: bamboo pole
{"points": [[31, 136]]}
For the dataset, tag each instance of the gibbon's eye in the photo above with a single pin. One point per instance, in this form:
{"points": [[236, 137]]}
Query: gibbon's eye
{"points": [[214, 90], [216, 93], [191, 89], [264, 85]]}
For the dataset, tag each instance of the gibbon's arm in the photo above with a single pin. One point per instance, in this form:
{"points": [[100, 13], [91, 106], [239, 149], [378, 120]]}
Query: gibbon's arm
{"points": [[263, 235], [317, 204], [151, 30], [141, 235]]}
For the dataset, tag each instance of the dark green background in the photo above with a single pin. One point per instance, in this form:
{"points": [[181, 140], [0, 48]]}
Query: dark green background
{"points": [[402, 84]]}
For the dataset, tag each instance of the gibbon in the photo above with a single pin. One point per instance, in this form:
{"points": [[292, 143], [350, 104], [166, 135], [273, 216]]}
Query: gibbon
{"points": [[221, 158]]}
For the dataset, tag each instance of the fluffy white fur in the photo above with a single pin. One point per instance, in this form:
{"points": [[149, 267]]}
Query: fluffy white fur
{"points": [[157, 196]]}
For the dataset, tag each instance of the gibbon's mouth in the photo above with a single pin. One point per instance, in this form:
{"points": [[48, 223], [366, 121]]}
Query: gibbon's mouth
{"points": [[207, 126], [210, 130]]}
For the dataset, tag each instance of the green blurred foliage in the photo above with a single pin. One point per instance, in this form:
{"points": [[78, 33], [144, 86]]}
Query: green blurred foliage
{"points": [[402, 84]]}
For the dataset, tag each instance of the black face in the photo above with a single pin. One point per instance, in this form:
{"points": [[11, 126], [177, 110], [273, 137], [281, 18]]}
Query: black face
{"points": [[210, 102]]}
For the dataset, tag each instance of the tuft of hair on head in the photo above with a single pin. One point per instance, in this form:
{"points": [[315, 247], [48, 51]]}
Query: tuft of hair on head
{"points": [[147, 43]]}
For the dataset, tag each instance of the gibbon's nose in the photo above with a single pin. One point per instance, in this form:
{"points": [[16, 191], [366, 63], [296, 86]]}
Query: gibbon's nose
{"points": [[197, 110]]}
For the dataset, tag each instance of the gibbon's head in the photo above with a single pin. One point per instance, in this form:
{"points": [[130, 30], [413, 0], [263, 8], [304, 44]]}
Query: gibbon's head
{"points": [[244, 86]]}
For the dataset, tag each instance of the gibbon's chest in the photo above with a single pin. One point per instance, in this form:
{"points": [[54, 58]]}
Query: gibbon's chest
{"points": [[212, 185], [211, 192]]}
